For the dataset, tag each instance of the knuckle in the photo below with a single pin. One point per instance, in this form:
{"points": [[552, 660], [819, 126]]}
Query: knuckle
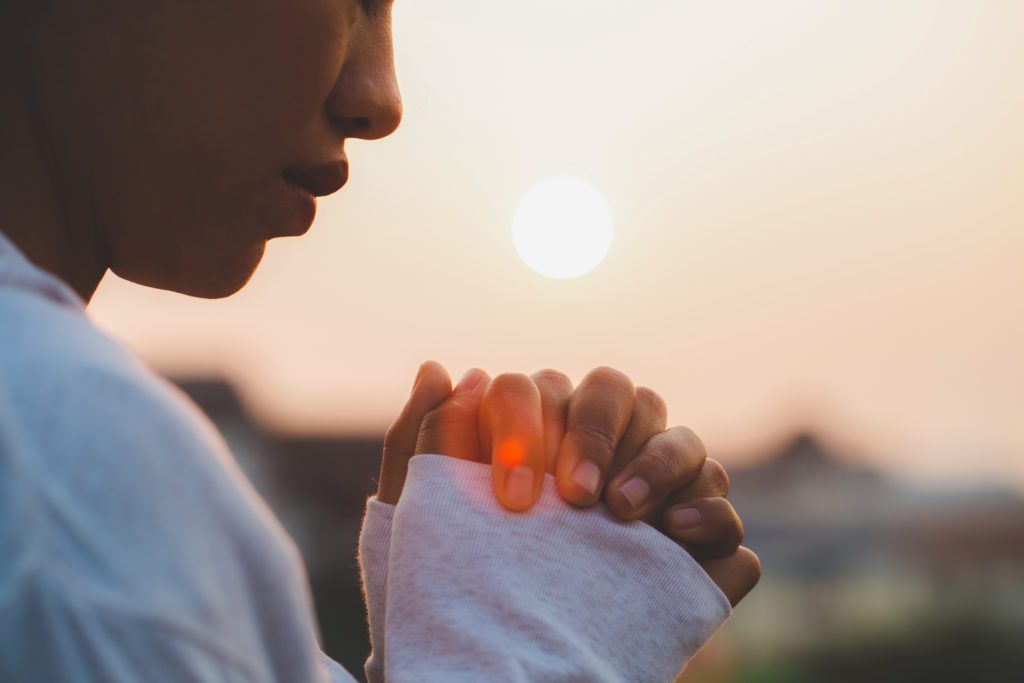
{"points": [[689, 439], [738, 536], [553, 378], [663, 464], [651, 400], [433, 420], [457, 409], [459, 403], [513, 378], [610, 379], [597, 435], [716, 476], [510, 385], [751, 565], [734, 527]]}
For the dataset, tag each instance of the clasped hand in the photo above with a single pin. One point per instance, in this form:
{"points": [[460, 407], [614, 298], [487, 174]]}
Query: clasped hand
{"points": [[603, 440]]}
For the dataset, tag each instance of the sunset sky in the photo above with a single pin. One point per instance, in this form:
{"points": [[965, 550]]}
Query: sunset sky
{"points": [[819, 215]]}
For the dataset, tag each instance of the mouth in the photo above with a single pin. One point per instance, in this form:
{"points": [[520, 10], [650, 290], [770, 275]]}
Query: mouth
{"points": [[306, 185], [321, 180]]}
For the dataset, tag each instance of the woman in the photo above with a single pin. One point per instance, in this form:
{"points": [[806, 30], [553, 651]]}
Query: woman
{"points": [[167, 141]]}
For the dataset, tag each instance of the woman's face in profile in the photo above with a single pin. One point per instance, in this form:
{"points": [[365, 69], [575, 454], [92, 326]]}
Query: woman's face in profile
{"points": [[180, 131]]}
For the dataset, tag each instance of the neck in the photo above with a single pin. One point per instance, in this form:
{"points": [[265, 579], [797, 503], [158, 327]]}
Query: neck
{"points": [[37, 213], [30, 217], [52, 255]]}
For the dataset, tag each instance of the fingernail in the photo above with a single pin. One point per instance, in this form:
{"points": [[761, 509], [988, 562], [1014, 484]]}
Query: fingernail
{"points": [[519, 486], [636, 492], [588, 476], [470, 381], [685, 518]]}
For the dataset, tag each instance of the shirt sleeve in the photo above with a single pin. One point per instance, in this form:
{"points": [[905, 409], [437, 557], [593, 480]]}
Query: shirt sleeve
{"points": [[335, 673], [374, 543], [464, 590]]}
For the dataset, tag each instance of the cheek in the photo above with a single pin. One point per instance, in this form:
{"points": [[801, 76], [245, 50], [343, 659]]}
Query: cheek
{"points": [[189, 167], [268, 92], [208, 243]]}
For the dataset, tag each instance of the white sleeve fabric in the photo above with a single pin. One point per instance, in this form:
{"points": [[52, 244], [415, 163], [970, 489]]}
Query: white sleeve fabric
{"points": [[464, 590], [374, 541], [336, 673]]}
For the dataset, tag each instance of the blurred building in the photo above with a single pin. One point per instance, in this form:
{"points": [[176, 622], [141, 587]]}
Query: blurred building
{"points": [[861, 567], [857, 567], [318, 488]]}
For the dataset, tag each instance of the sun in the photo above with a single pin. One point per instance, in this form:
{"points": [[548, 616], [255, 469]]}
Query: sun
{"points": [[563, 228]]}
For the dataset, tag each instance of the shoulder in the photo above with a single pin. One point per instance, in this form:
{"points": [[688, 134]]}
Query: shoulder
{"points": [[113, 475], [54, 362], [72, 391]]}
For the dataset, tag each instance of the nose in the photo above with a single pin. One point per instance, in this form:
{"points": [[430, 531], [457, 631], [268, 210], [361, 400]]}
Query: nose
{"points": [[365, 101]]}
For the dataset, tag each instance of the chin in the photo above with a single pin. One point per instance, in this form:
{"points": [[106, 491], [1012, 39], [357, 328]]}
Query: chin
{"points": [[205, 276]]}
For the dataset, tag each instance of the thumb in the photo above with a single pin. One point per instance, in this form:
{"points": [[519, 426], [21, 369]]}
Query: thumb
{"points": [[453, 428], [512, 433], [432, 386]]}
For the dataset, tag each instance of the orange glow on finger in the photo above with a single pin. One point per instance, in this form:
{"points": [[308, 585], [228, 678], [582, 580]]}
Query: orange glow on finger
{"points": [[511, 453]]}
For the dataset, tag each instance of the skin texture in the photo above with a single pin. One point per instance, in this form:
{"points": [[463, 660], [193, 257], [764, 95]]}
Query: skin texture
{"points": [[152, 138], [479, 417], [157, 139]]}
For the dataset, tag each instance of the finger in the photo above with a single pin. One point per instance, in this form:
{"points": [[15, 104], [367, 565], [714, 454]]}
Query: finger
{"points": [[668, 461], [599, 411], [555, 389], [432, 386], [735, 575], [453, 428], [650, 417], [712, 482], [708, 528], [512, 432]]}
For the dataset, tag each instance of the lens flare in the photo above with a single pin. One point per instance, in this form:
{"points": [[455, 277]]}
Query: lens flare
{"points": [[511, 453]]}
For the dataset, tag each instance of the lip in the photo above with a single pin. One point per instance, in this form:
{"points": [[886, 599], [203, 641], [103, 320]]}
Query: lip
{"points": [[321, 180], [306, 184], [305, 211]]}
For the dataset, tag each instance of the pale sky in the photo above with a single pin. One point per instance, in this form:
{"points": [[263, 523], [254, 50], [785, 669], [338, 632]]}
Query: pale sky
{"points": [[819, 213]]}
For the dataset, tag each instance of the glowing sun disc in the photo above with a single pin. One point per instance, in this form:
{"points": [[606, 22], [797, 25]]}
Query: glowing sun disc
{"points": [[563, 228]]}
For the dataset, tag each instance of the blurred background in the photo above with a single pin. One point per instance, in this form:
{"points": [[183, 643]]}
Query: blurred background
{"points": [[818, 261]]}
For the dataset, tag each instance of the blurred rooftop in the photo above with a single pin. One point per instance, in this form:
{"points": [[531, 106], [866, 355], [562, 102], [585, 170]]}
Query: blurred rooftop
{"points": [[845, 549]]}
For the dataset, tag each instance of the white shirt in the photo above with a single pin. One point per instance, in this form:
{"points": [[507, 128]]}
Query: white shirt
{"points": [[132, 548]]}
